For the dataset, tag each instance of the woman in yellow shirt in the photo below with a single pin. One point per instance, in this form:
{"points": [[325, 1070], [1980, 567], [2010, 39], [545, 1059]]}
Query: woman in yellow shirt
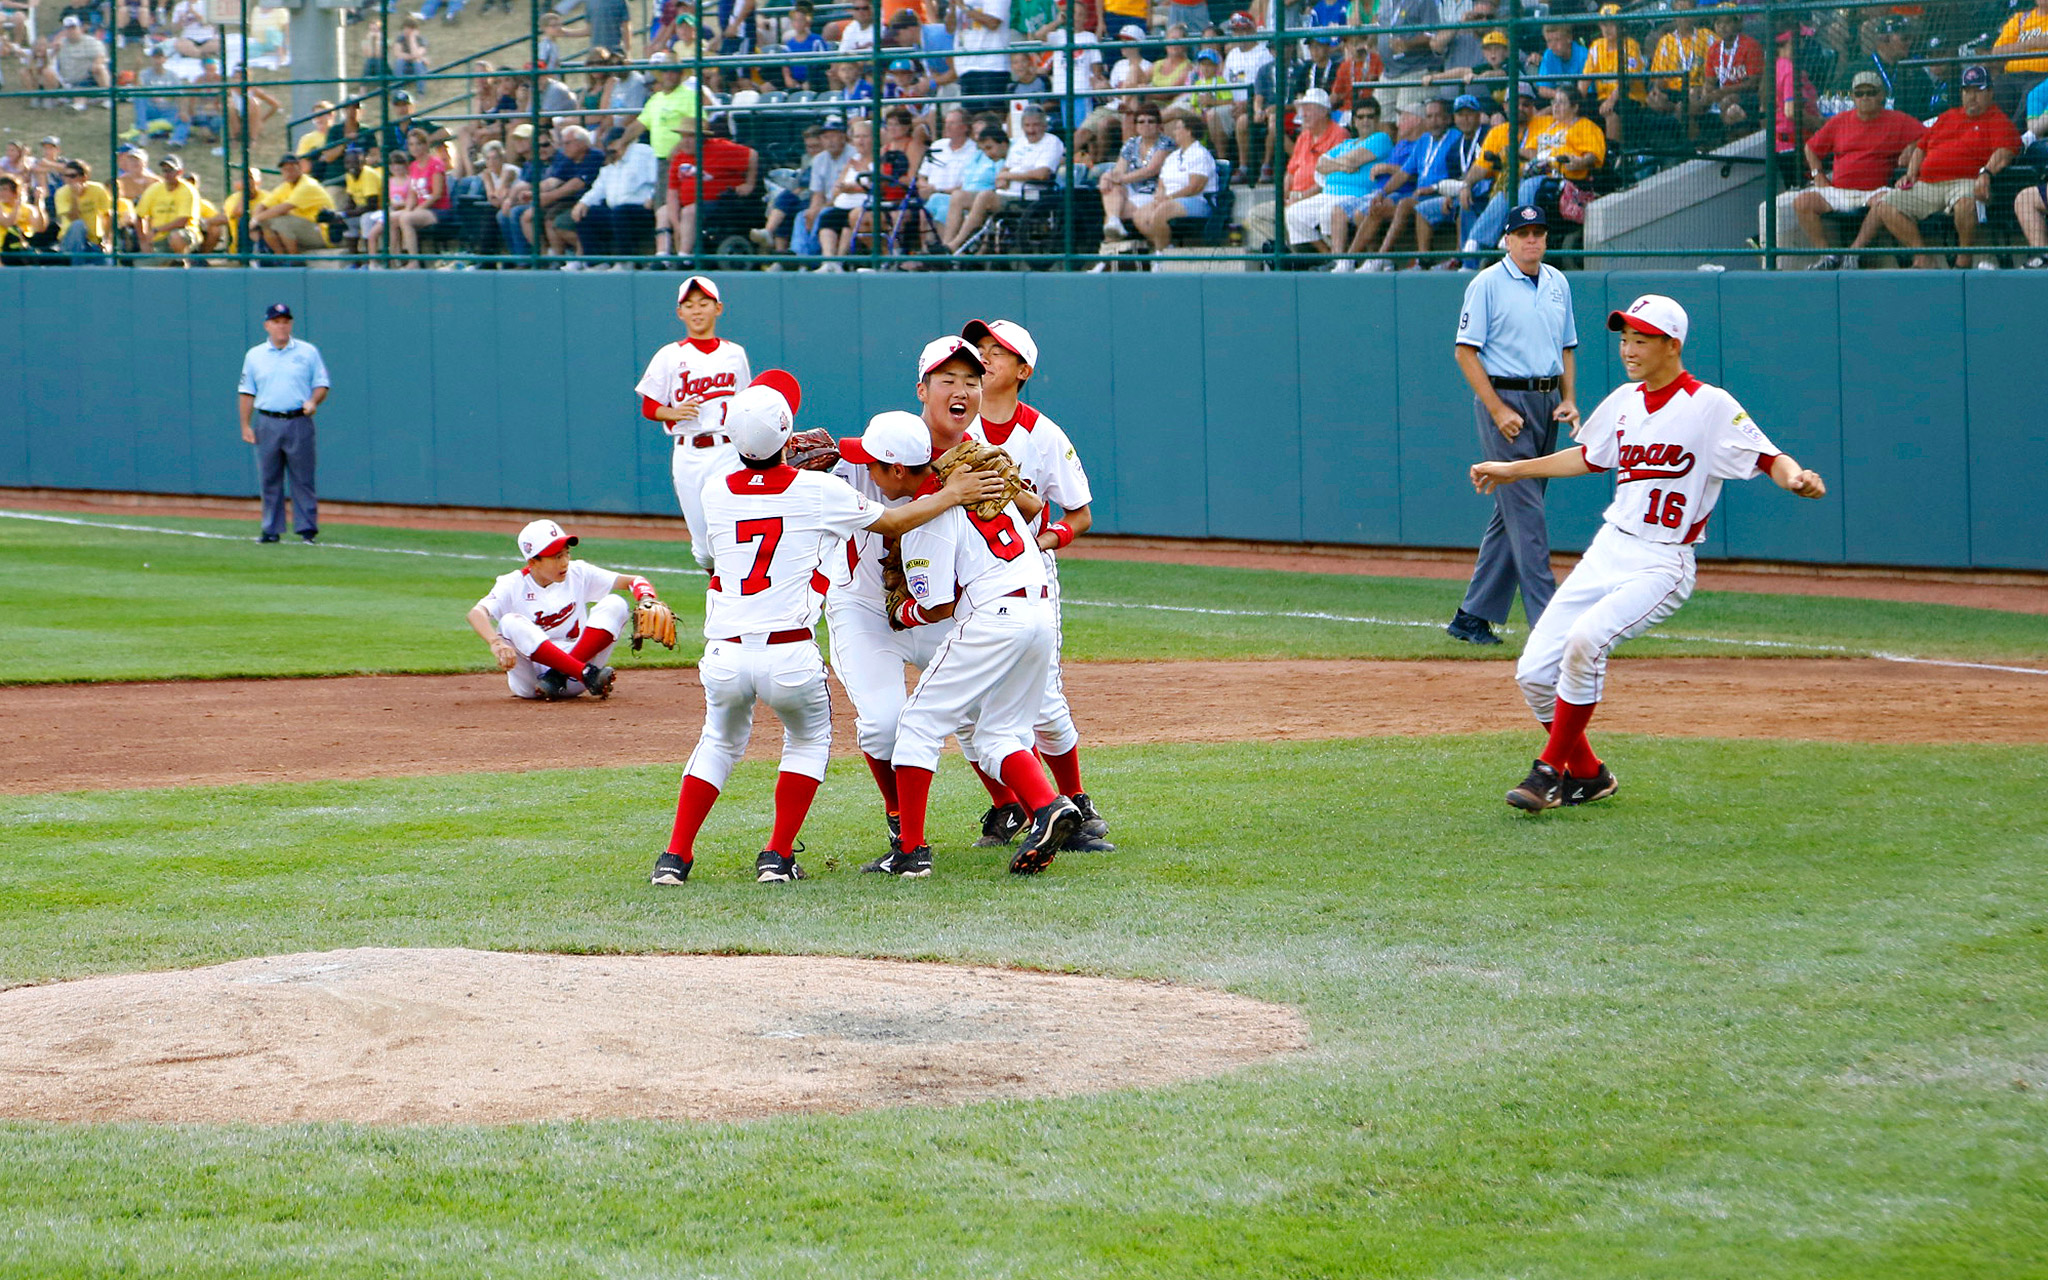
{"points": [[1619, 95], [20, 220]]}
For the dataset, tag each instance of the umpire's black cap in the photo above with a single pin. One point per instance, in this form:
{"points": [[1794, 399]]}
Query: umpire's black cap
{"points": [[277, 311], [1527, 215]]}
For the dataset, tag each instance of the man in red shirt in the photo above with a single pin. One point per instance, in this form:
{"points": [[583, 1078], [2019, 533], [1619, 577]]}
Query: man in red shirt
{"points": [[1866, 144], [1950, 168], [715, 175], [1319, 133]]}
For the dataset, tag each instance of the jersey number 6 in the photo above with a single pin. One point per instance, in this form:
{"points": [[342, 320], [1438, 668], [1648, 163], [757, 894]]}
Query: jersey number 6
{"points": [[769, 532], [1000, 533]]}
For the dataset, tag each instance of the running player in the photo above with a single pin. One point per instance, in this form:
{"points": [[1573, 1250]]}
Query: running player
{"points": [[1670, 440], [770, 528], [1052, 469], [683, 387], [553, 601]]}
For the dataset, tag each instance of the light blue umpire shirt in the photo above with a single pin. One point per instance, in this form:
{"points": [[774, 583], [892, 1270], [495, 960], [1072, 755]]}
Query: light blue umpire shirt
{"points": [[1521, 326], [282, 378]]}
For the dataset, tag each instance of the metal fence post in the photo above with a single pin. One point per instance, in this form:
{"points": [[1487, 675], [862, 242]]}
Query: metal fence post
{"points": [[540, 216], [1067, 111], [1276, 137], [1511, 174], [248, 227]]}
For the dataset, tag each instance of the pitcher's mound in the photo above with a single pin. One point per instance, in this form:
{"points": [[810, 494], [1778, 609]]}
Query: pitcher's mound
{"points": [[482, 1037]]}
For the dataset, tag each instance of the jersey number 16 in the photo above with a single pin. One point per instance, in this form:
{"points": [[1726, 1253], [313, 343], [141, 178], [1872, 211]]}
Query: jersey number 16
{"points": [[1667, 509]]}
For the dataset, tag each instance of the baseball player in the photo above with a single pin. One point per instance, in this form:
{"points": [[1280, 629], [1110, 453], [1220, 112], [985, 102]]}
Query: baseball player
{"points": [[1671, 440], [1052, 470], [771, 529], [991, 669], [683, 387], [555, 600]]}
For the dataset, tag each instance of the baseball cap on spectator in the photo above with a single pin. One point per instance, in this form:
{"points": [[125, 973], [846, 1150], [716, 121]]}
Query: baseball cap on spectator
{"points": [[1240, 21], [1978, 77], [159, 51], [1466, 102], [400, 95], [891, 437], [290, 157], [939, 350], [661, 55], [53, 141], [1326, 40], [903, 64], [783, 382], [1893, 26], [759, 421], [277, 311], [71, 20], [1866, 80], [1525, 90], [904, 18], [1130, 31], [543, 538], [1313, 98], [171, 164], [1527, 215], [1607, 10], [698, 282], [1654, 314], [1207, 55], [524, 130], [1010, 335], [834, 124], [1495, 37]]}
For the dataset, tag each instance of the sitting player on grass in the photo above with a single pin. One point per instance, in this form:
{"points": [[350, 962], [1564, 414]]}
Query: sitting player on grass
{"points": [[557, 600]]}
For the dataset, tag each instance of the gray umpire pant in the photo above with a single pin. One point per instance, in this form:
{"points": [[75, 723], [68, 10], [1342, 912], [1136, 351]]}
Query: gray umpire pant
{"points": [[1516, 548], [285, 445]]}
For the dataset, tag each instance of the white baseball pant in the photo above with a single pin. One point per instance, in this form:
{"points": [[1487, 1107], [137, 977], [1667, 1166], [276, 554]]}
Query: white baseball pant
{"points": [[691, 467], [992, 673], [868, 657], [1621, 587], [1056, 734], [790, 678], [609, 614]]}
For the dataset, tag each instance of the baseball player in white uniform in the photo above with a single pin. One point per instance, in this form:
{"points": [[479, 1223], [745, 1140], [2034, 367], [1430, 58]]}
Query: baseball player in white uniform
{"points": [[684, 389], [1052, 469], [530, 614], [1671, 440], [991, 669], [771, 529]]}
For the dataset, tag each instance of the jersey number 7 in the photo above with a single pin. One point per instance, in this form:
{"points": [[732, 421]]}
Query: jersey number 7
{"points": [[769, 532]]}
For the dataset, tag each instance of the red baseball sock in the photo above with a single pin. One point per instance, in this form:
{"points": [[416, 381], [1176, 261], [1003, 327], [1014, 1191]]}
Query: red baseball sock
{"points": [[998, 794], [1066, 771], [914, 786], [793, 795], [1568, 751], [691, 807], [1027, 778], [591, 643], [550, 655], [885, 778]]}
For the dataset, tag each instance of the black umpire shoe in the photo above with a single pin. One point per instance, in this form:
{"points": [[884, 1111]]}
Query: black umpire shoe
{"points": [[1000, 825], [777, 868], [1051, 827], [554, 686], [1542, 789], [308, 538], [1092, 821], [670, 868], [266, 537], [598, 679], [1472, 629], [1586, 790]]}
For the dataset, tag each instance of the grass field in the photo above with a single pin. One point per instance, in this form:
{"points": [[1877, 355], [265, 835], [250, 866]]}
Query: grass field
{"points": [[387, 600], [1776, 1009]]}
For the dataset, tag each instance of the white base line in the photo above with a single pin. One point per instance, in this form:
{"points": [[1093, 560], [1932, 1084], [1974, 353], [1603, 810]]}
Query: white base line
{"points": [[1360, 619]]}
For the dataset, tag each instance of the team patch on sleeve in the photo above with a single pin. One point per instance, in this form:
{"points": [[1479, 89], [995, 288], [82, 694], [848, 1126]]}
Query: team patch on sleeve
{"points": [[920, 584]]}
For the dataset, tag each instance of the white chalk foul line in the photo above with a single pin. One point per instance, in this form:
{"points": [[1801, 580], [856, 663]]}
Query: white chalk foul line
{"points": [[1299, 614]]}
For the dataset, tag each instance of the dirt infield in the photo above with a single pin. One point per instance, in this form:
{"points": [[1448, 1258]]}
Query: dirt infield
{"points": [[481, 1037], [82, 737]]}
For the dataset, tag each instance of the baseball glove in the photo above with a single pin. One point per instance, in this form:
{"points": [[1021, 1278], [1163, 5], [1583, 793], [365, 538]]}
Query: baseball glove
{"points": [[895, 587], [654, 620], [977, 455], [813, 450]]}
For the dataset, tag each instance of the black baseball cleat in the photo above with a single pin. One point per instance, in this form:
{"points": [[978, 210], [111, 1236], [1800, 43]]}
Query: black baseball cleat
{"points": [[1539, 791], [1000, 825], [554, 686], [913, 864], [1092, 822], [1586, 790], [1472, 629], [777, 868], [598, 679], [1051, 827], [1082, 842], [670, 868]]}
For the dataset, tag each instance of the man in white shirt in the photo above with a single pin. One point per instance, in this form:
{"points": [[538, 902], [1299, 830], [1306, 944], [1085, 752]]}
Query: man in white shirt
{"points": [[1241, 67], [858, 35], [945, 165], [982, 34], [615, 218], [1034, 164]]}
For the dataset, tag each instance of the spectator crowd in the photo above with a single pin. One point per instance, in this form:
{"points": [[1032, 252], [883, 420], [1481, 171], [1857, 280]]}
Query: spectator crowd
{"points": [[840, 138]]}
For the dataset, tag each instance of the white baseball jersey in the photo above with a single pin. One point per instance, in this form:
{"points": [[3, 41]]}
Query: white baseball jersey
{"points": [[560, 611], [855, 573], [963, 556], [706, 369], [770, 533], [1670, 450], [1044, 456]]}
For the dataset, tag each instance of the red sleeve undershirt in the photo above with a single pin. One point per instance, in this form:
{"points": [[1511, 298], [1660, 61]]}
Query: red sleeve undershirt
{"points": [[648, 408]]}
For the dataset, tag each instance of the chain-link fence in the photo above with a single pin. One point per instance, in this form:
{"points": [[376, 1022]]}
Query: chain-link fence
{"points": [[1024, 134]]}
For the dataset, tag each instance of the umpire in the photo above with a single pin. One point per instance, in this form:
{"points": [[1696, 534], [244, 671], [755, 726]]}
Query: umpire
{"points": [[283, 382], [1516, 342]]}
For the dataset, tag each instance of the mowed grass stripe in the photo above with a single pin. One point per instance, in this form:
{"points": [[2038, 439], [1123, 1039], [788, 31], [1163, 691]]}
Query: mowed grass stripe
{"points": [[1775, 1010]]}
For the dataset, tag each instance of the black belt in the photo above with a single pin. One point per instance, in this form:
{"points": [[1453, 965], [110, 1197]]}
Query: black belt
{"points": [[1527, 384], [288, 413]]}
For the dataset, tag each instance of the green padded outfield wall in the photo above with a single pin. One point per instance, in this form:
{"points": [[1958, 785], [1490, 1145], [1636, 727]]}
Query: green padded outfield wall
{"points": [[1292, 407]]}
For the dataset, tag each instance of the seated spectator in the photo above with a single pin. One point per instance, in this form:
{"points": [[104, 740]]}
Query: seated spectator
{"points": [[822, 173], [1907, 89], [85, 213], [1133, 180], [944, 169], [2025, 33], [1865, 145], [1087, 57], [801, 38], [165, 116], [1616, 66], [791, 197], [1174, 71], [857, 31], [1563, 60], [1486, 80], [710, 179], [21, 221], [992, 148], [197, 38], [1459, 197], [1408, 56], [1951, 168], [1032, 165], [170, 217], [1317, 71], [615, 218], [1458, 49], [2030, 206], [225, 226], [1025, 79], [423, 203], [289, 217], [1344, 176], [1319, 135], [848, 195], [1207, 89], [906, 79], [902, 160], [1798, 105], [362, 192], [1241, 67], [569, 173], [1731, 97], [410, 57], [1421, 169], [78, 61], [1563, 144], [1187, 182], [1678, 68]]}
